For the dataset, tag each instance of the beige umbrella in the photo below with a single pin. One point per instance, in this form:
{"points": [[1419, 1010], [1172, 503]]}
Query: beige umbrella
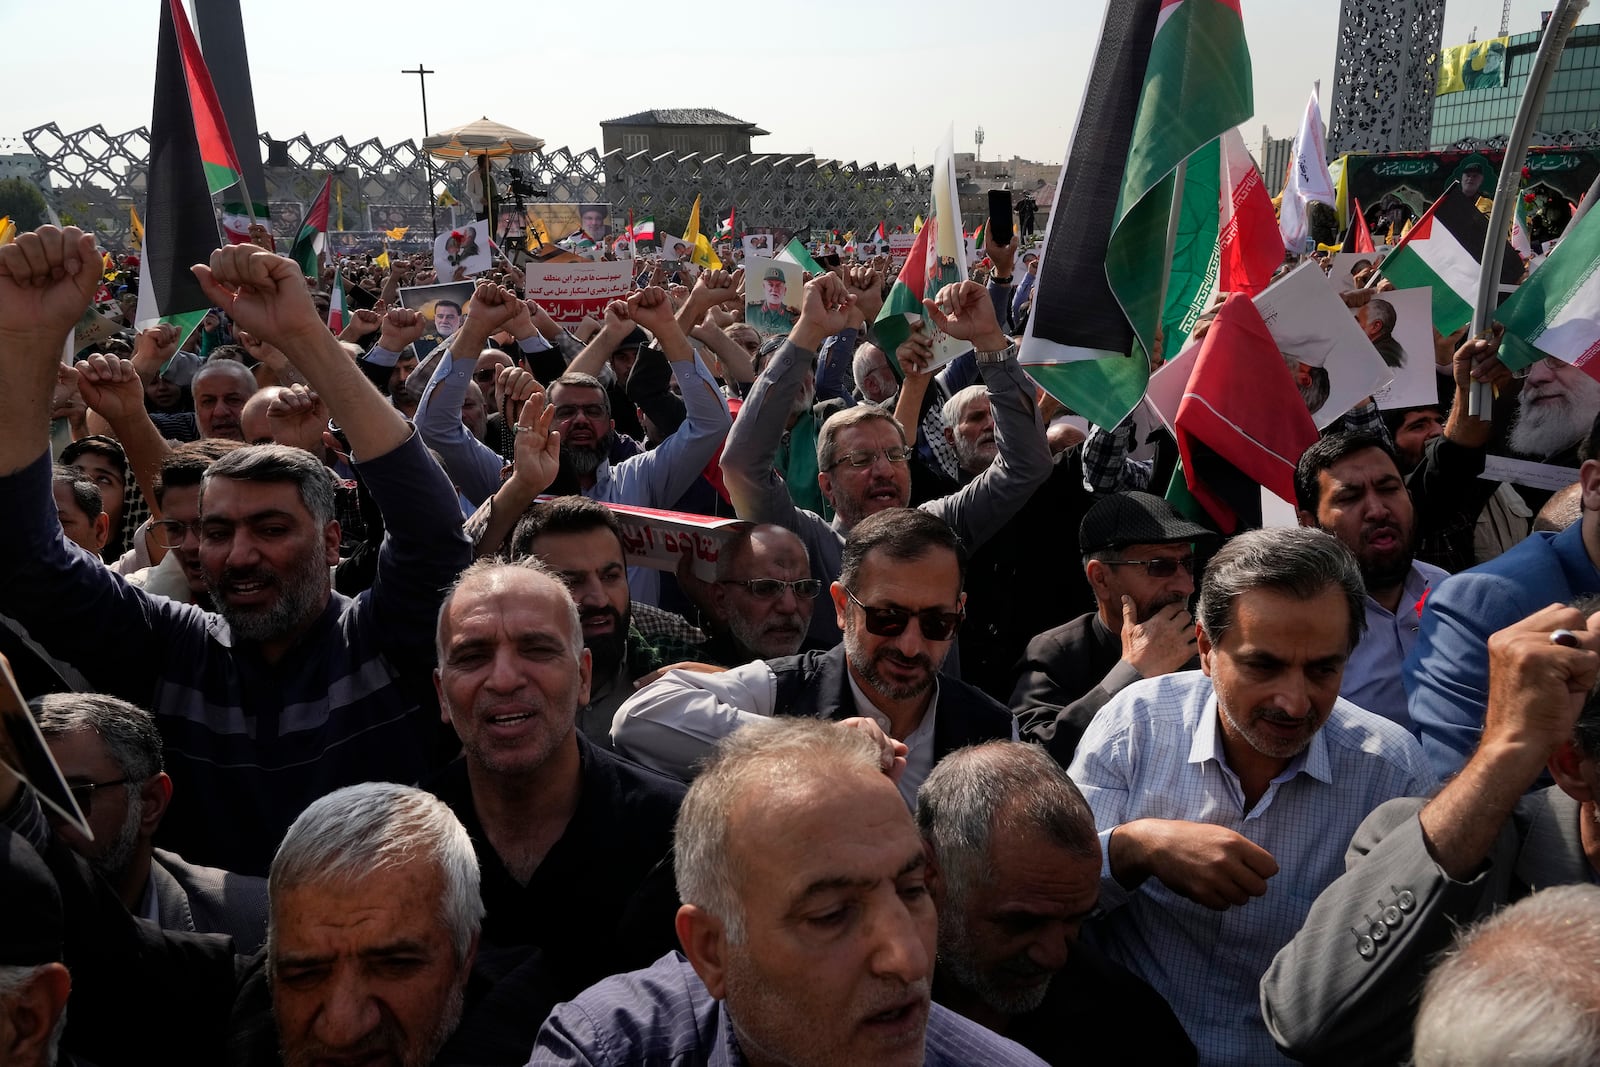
{"points": [[485, 137]]}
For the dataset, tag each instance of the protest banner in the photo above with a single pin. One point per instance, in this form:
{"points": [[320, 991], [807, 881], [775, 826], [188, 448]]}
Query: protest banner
{"points": [[571, 291], [900, 250], [443, 305], [658, 539]]}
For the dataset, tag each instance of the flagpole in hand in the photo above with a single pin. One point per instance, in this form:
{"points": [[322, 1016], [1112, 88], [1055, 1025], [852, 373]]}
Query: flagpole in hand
{"points": [[1551, 44]]}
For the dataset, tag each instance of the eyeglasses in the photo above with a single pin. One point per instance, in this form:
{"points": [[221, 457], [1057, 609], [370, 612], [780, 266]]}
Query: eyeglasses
{"points": [[892, 622], [486, 375], [772, 588], [866, 457], [1156, 568], [170, 532], [589, 411], [83, 792]]}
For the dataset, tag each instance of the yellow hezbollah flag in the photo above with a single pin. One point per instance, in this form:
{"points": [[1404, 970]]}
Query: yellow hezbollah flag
{"points": [[397, 233], [135, 227], [703, 255], [8, 230], [1477, 65], [381, 261], [916, 224]]}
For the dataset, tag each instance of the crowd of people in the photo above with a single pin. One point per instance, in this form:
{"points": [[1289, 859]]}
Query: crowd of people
{"points": [[390, 746]]}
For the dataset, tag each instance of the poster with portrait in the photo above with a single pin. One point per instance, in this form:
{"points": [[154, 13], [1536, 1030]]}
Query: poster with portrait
{"points": [[676, 250], [443, 306], [1334, 364], [463, 252], [757, 245], [595, 222], [772, 294], [1344, 268], [1400, 326]]}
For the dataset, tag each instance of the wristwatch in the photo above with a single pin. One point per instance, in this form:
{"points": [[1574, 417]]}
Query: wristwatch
{"points": [[999, 355]]}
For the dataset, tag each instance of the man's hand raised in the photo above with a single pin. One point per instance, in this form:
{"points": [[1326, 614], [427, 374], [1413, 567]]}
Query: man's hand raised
{"points": [[651, 309], [47, 279], [866, 285], [824, 311], [111, 387], [964, 312], [263, 293], [401, 326]]}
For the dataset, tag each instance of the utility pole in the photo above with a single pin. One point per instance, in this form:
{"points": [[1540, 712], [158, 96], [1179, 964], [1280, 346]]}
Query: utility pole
{"points": [[427, 161]]}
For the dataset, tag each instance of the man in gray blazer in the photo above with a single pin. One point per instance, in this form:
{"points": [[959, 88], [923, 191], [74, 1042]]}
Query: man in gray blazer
{"points": [[110, 753], [1345, 988]]}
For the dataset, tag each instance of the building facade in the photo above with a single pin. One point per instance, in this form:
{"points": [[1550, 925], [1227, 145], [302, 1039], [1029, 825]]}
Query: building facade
{"points": [[1572, 104], [679, 131]]}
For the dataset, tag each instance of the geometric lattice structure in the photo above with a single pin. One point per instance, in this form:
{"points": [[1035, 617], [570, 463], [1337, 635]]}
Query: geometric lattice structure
{"points": [[91, 177], [1383, 78]]}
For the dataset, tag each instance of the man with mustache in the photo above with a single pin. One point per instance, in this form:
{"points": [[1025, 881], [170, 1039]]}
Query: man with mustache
{"points": [[1243, 780], [290, 689], [899, 602], [1139, 558], [807, 927], [1349, 485]]}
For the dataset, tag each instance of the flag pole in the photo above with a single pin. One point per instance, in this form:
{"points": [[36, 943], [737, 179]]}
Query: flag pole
{"points": [[1551, 44], [1174, 217]]}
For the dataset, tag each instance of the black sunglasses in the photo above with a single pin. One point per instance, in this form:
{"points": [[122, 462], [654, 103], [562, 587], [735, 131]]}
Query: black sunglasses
{"points": [[772, 588], [83, 792], [892, 622], [1156, 568]]}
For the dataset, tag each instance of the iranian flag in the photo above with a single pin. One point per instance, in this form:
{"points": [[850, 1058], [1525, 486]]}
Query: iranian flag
{"points": [[1250, 247], [313, 232], [646, 229], [795, 252], [336, 303], [237, 217], [1442, 251], [180, 229], [1556, 312], [1171, 76]]}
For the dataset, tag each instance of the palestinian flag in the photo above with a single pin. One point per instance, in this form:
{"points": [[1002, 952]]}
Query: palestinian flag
{"points": [[1250, 244], [1171, 76], [237, 217], [313, 232], [1442, 251], [980, 235], [795, 252], [646, 229], [883, 238], [923, 275], [1241, 415], [336, 302], [726, 229], [1556, 312], [180, 228], [210, 128]]}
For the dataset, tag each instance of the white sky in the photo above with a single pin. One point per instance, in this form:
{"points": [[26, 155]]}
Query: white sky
{"points": [[867, 84]]}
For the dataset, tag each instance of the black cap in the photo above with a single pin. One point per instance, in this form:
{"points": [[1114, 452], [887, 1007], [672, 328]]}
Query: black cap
{"points": [[30, 921], [1136, 519]]}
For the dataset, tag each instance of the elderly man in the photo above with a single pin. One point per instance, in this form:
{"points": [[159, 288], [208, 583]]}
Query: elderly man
{"points": [[1207, 784], [763, 597], [862, 453], [808, 930], [1016, 873], [1419, 869], [221, 388], [1518, 987], [291, 690], [899, 601], [109, 751], [1554, 412], [1139, 558], [1446, 674], [574, 844], [1349, 485]]}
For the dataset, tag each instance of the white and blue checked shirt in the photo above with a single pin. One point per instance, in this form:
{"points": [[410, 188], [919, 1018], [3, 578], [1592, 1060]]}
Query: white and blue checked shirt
{"points": [[1155, 752]]}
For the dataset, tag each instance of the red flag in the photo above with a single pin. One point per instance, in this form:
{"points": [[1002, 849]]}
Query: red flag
{"points": [[881, 235], [1241, 412], [1361, 236], [1250, 247]]}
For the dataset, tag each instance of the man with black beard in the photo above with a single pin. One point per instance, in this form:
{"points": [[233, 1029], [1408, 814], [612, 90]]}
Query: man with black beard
{"points": [[1139, 558], [291, 690], [1349, 485], [581, 542]]}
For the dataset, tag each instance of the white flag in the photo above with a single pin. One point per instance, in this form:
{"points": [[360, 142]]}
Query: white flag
{"points": [[1308, 178]]}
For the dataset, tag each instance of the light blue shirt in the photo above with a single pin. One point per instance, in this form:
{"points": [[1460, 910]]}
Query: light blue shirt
{"points": [[1372, 675], [1154, 752]]}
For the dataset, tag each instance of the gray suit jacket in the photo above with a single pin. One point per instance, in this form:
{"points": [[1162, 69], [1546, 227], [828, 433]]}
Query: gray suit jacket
{"points": [[1326, 1002], [207, 900]]}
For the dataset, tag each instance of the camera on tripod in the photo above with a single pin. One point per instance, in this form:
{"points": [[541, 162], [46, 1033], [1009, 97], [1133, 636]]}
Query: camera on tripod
{"points": [[521, 186]]}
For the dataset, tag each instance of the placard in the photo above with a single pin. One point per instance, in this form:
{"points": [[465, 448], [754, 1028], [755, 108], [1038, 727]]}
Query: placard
{"points": [[571, 291]]}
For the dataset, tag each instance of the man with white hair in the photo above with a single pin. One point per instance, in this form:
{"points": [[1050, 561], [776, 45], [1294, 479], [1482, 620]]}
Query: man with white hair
{"points": [[808, 931], [1557, 404]]}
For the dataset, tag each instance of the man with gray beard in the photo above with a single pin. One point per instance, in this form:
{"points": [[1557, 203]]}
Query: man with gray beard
{"points": [[1016, 872]]}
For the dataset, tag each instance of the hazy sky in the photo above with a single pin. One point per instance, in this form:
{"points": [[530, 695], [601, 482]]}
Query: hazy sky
{"points": [[870, 81]]}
